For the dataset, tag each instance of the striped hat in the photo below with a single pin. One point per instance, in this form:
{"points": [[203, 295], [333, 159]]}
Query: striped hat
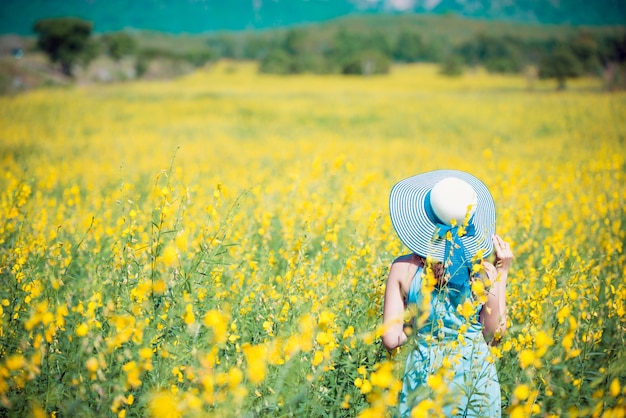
{"points": [[423, 205]]}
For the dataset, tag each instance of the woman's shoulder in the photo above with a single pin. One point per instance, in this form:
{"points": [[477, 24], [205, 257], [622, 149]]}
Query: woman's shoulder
{"points": [[407, 262], [408, 259], [403, 269]]}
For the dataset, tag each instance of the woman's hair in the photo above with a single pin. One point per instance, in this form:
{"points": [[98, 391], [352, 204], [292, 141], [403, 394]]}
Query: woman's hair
{"points": [[436, 267]]}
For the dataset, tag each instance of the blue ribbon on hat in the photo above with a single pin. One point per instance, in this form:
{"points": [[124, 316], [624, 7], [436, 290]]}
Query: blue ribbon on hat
{"points": [[456, 260]]}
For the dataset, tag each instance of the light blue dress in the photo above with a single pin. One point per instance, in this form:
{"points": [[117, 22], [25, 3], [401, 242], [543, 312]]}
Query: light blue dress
{"points": [[473, 391]]}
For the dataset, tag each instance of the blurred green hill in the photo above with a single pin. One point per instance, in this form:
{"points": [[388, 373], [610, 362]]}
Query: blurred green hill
{"points": [[202, 16], [363, 43]]}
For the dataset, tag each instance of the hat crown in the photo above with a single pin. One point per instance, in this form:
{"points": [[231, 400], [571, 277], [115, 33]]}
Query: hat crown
{"points": [[453, 199]]}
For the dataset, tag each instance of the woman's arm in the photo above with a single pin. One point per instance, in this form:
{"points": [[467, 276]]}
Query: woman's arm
{"points": [[493, 314], [393, 313]]}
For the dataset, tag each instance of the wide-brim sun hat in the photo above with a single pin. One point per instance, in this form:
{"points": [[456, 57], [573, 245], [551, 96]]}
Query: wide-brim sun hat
{"points": [[414, 210]]}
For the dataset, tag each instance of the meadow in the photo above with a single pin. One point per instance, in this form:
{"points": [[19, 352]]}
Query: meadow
{"points": [[217, 245]]}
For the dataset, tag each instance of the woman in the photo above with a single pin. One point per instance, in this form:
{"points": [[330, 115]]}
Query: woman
{"points": [[447, 219]]}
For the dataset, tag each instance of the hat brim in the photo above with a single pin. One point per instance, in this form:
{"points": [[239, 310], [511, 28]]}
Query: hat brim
{"points": [[417, 231]]}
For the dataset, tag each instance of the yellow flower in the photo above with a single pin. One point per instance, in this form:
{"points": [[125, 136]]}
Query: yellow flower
{"points": [[256, 358], [275, 353], [349, 332], [478, 287], [366, 387], [181, 242], [92, 364], [159, 287], [235, 377], [268, 327], [132, 374], [179, 375], [323, 338], [527, 358], [424, 409], [326, 319], [568, 341], [82, 330], [15, 362], [614, 388], [434, 381], [188, 316], [169, 257], [377, 410], [383, 377], [563, 313], [521, 392], [145, 353], [542, 342], [518, 412], [466, 308], [218, 322], [318, 357], [38, 412], [164, 405]]}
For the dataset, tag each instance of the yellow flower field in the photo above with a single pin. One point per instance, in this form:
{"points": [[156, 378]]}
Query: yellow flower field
{"points": [[218, 245]]}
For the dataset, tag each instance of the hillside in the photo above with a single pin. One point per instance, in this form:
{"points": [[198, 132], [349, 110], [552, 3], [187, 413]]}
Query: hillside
{"points": [[317, 47], [202, 16]]}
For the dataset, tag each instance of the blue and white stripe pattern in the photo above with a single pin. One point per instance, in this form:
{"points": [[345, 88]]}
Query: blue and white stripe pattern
{"points": [[418, 232]]}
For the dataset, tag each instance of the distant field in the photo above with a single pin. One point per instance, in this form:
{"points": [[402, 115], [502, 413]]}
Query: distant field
{"points": [[218, 244]]}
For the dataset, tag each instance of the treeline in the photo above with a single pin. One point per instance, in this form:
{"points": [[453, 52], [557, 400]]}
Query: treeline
{"points": [[350, 50], [70, 43]]}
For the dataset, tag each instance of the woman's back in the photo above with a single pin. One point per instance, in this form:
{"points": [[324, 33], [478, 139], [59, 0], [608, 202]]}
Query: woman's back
{"points": [[448, 343]]}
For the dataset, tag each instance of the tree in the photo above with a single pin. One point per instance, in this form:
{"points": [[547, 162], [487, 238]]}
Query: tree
{"points": [[255, 46], [358, 53], [377, 41], [366, 63], [451, 66], [199, 57], [612, 55], [66, 41], [225, 46], [585, 47], [277, 61], [560, 64], [296, 42], [409, 47], [119, 45], [297, 46], [344, 46], [497, 54]]}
